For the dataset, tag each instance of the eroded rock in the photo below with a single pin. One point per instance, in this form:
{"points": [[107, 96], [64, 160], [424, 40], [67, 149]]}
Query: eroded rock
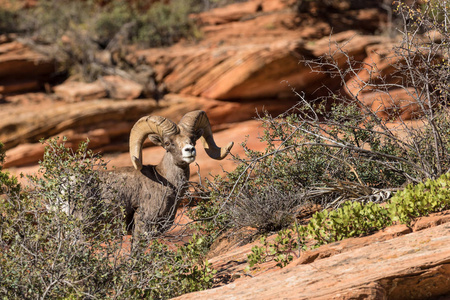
{"points": [[74, 91], [42, 120], [121, 88], [22, 69], [412, 266]]}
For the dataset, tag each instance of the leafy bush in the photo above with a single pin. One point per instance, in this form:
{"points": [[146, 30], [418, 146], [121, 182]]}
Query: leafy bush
{"points": [[282, 249], [8, 185], [77, 44], [165, 24], [347, 157], [7, 20], [47, 21], [334, 149], [46, 253], [354, 219], [421, 199], [69, 181]]}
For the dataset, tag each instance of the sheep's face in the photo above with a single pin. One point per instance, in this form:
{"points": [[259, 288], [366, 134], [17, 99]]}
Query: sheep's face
{"points": [[180, 146]]}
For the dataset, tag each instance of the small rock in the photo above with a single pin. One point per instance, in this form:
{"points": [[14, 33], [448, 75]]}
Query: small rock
{"points": [[431, 221], [24, 154], [402, 104], [73, 91], [121, 88], [22, 69]]}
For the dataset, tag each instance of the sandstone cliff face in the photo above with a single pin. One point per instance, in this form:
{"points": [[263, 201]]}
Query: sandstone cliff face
{"points": [[246, 62]]}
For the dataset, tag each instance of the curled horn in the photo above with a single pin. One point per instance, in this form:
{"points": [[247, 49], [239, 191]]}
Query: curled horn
{"points": [[141, 129], [193, 121]]}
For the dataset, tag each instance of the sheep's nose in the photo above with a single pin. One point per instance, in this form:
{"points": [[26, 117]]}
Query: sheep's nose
{"points": [[189, 149]]}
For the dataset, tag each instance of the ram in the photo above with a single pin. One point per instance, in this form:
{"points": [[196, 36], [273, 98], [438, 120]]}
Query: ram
{"points": [[148, 193]]}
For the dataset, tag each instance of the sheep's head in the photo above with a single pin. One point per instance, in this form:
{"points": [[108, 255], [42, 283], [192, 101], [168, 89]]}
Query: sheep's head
{"points": [[179, 140]]}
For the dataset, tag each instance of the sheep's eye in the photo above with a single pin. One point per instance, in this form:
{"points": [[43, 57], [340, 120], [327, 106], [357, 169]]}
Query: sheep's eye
{"points": [[167, 144]]}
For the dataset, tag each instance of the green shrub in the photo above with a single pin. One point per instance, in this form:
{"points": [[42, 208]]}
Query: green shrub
{"points": [[7, 20], [89, 28], [8, 184], [111, 19], [46, 253], [300, 167], [50, 19], [354, 219], [164, 24], [333, 149], [282, 250], [69, 181], [420, 200]]}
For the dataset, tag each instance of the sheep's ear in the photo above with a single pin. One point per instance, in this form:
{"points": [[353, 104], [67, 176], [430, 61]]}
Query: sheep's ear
{"points": [[155, 139], [199, 133]]}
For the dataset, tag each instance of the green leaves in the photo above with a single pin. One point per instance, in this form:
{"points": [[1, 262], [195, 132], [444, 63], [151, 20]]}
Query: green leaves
{"points": [[46, 253], [421, 199], [282, 250], [355, 219], [8, 184]]}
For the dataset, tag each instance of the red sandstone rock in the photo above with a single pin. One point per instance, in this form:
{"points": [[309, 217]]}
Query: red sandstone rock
{"points": [[350, 244], [29, 98], [32, 122], [431, 221], [379, 67], [24, 154], [121, 88], [73, 91], [230, 13], [18, 86], [238, 11], [22, 69], [18, 61], [400, 104], [250, 72], [412, 266]]}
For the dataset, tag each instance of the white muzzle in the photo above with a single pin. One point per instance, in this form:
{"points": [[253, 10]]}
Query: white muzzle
{"points": [[188, 152]]}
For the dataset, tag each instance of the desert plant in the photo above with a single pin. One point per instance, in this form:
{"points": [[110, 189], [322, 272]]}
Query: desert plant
{"points": [[80, 34], [7, 20], [165, 24], [334, 144], [8, 184], [420, 200], [354, 219], [267, 208], [282, 250], [344, 155], [47, 253]]}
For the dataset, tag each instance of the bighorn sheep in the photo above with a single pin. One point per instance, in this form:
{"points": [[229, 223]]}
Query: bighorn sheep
{"points": [[150, 193]]}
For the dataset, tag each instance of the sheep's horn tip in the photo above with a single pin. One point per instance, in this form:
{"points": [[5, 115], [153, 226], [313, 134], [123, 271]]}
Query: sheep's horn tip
{"points": [[136, 163], [227, 149]]}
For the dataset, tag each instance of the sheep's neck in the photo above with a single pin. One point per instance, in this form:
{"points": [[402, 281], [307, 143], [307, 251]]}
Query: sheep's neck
{"points": [[176, 175]]}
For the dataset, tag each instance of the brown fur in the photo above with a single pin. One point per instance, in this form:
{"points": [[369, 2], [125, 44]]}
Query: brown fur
{"points": [[149, 196]]}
